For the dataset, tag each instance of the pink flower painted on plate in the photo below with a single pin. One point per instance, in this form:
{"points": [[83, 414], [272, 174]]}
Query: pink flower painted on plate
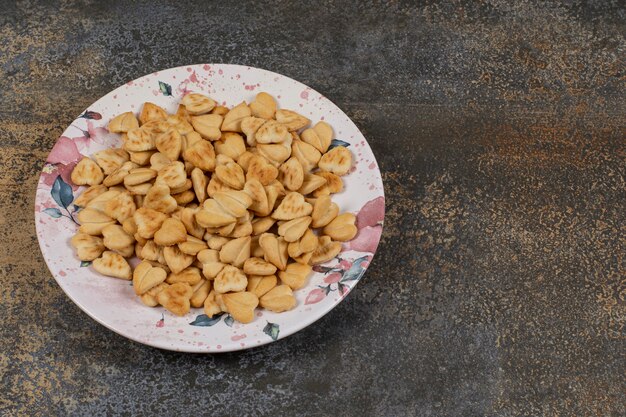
{"points": [[50, 173], [64, 152], [369, 222], [366, 239], [333, 278], [372, 213], [315, 296]]}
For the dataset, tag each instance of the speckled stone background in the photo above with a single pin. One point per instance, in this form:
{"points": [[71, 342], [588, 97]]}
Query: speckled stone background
{"points": [[499, 287]]}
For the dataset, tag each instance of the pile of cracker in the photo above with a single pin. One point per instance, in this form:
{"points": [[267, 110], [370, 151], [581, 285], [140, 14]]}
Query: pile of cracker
{"points": [[226, 209]]}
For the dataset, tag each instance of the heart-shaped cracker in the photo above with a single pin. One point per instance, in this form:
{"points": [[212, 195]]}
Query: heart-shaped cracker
{"points": [[260, 203], [129, 225], [342, 227], [117, 176], [241, 229], [338, 161], [292, 206], [172, 232], [235, 203], [159, 161], [263, 106], [200, 153], [333, 184], [121, 207], [199, 183], [326, 250], [110, 159], [232, 119], [259, 285], [293, 230], [231, 145], [138, 176], [230, 279], [151, 111], [236, 251], [175, 259], [216, 185], [275, 154], [141, 189], [158, 198], [148, 221], [192, 245], [225, 230], [188, 217], [184, 198], [151, 251], [197, 103], [180, 124], [262, 224], [122, 123], [112, 264], [249, 126], [211, 265], [241, 305], [169, 144], [274, 191], [231, 175], [89, 194], [146, 277], [211, 306], [150, 297], [295, 275], [87, 247], [185, 187], [175, 298], [216, 242], [116, 238], [208, 125], [274, 250], [291, 174], [212, 214], [190, 275], [278, 299], [127, 251], [93, 221], [307, 154], [307, 243], [244, 160], [173, 175], [156, 127], [319, 136], [271, 132], [87, 172], [139, 140], [292, 120], [311, 183], [99, 203], [200, 293], [141, 158], [258, 266], [324, 211]]}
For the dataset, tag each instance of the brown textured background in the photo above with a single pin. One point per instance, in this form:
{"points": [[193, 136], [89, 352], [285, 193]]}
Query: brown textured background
{"points": [[499, 287]]}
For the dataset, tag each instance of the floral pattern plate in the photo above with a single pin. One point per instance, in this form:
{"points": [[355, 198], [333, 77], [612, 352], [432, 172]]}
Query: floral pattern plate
{"points": [[112, 302]]}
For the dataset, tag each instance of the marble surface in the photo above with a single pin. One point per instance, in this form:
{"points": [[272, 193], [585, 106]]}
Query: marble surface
{"points": [[498, 288]]}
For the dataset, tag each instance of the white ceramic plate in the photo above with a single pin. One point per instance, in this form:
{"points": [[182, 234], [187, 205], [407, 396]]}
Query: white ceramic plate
{"points": [[112, 302]]}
